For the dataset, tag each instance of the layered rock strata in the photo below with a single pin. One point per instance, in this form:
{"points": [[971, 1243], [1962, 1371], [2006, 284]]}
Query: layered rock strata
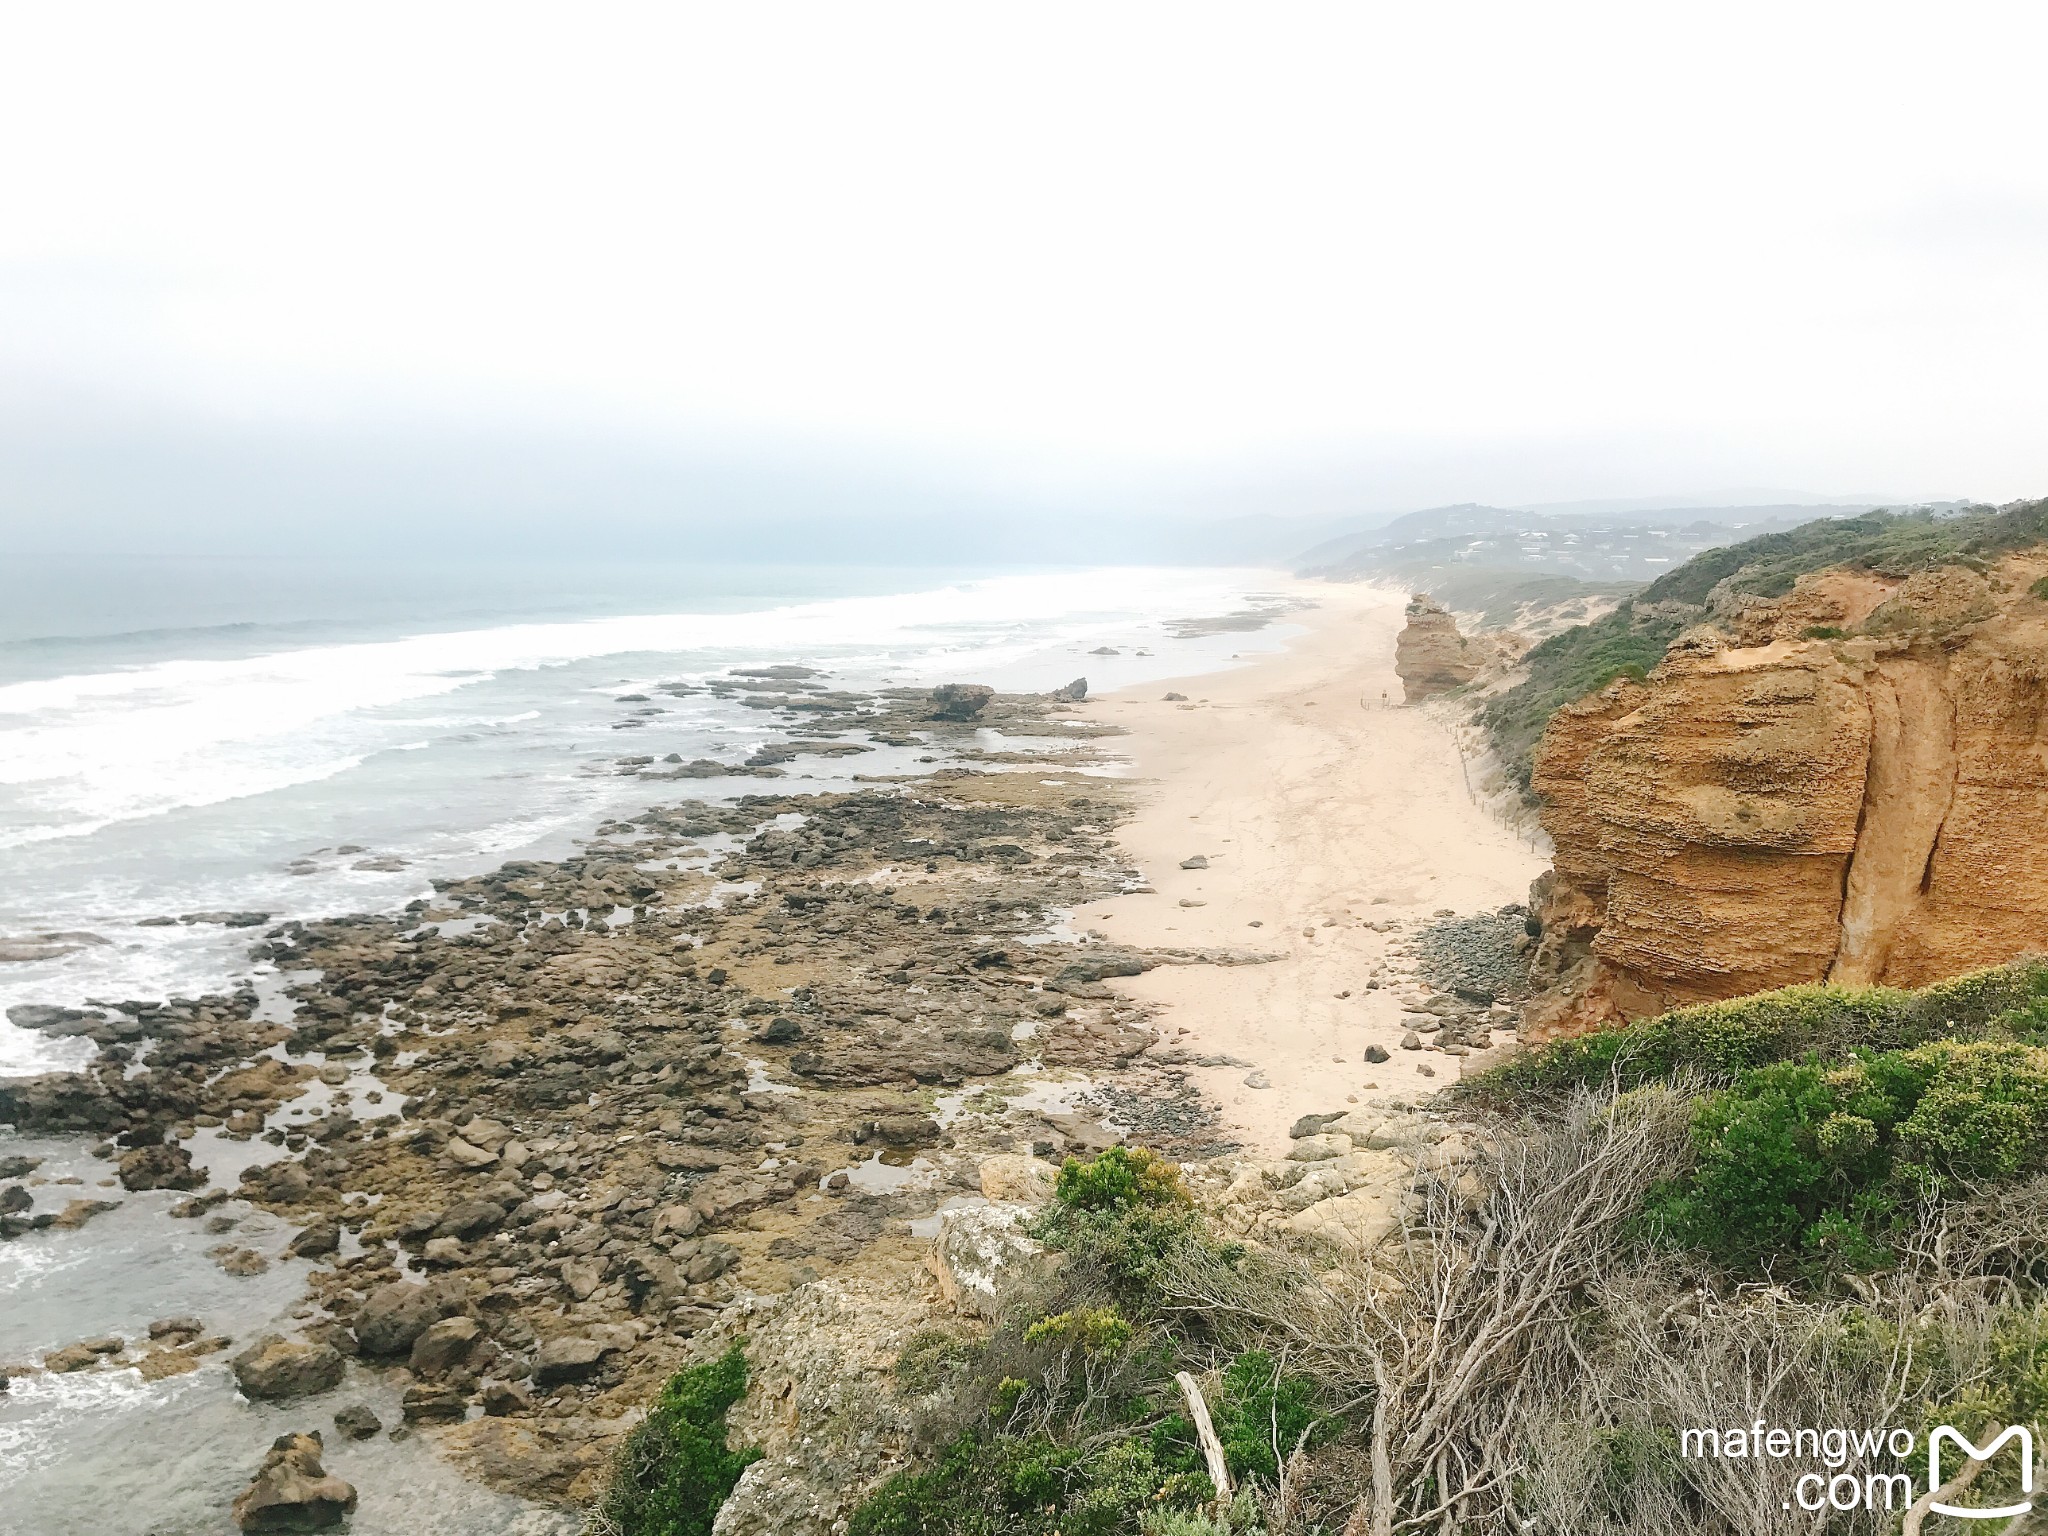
{"points": [[1846, 784]]}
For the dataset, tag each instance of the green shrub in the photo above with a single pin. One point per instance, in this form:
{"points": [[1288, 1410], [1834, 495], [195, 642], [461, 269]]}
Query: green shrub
{"points": [[932, 1360], [986, 1484], [1120, 1178], [1258, 1409], [2011, 1387], [1095, 1330], [1719, 1040], [1241, 1519], [674, 1470], [1821, 1162], [1121, 1215], [1823, 632]]}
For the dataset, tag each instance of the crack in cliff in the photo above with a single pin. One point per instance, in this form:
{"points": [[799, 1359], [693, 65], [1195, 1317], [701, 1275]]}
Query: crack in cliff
{"points": [[1856, 842], [1909, 787], [1948, 803]]}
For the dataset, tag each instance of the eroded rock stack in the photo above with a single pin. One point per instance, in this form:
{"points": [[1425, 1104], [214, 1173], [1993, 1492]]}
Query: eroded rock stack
{"points": [[1844, 784], [1430, 656]]}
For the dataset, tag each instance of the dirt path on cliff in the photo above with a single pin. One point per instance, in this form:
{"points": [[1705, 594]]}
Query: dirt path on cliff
{"points": [[1320, 811]]}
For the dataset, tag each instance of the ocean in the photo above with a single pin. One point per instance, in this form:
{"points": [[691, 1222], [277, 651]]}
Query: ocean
{"points": [[210, 744], [175, 771]]}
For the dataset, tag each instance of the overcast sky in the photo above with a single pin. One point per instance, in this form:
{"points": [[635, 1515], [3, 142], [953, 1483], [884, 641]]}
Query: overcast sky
{"points": [[1387, 252]]}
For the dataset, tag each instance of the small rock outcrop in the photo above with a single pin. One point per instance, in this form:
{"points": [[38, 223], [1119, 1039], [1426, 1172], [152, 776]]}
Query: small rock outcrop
{"points": [[981, 1253], [1072, 693], [293, 1491], [275, 1367], [1844, 784], [393, 1316], [1430, 656], [960, 701], [824, 1403]]}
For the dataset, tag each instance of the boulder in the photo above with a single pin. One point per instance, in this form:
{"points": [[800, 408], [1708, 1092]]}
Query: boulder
{"points": [[1356, 1220], [502, 1398], [1316, 1149], [160, 1168], [434, 1402], [358, 1421], [490, 1135], [1017, 1179], [960, 701], [1072, 693], [444, 1345], [393, 1316], [316, 1242], [1310, 1125], [292, 1491], [59, 1103], [275, 1368], [566, 1359], [464, 1155], [981, 1253]]}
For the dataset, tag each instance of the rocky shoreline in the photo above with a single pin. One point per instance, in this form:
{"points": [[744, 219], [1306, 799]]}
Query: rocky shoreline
{"points": [[557, 1130]]}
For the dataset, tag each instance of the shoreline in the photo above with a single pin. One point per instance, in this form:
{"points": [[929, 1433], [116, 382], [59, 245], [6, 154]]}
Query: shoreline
{"points": [[1321, 811], [617, 1109]]}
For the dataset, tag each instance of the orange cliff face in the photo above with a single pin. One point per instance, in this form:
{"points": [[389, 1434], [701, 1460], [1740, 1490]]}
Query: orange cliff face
{"points": [[1769, 808]]}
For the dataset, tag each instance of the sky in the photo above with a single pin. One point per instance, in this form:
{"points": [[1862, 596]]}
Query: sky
{"points": [[1285, 258]]}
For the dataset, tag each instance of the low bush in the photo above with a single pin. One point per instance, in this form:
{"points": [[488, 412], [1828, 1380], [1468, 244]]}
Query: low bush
{"points": [[1119, 1217], [674, 1470], [1261, 1415], [1826, 1163], [1068, 1418], [1715, 1041], [988, 1484], [1119, 1179]]}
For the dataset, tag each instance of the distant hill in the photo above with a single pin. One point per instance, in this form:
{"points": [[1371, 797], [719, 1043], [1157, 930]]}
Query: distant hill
{"points": [[1494, 560]]}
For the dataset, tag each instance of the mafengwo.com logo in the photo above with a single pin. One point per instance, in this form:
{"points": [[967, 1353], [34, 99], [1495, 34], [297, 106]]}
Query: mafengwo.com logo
{"points": [[2022, 1441], [1874, 1469]]}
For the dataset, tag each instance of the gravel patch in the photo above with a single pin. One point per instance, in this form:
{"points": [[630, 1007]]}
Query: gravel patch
{"points": [[1477, 958]]}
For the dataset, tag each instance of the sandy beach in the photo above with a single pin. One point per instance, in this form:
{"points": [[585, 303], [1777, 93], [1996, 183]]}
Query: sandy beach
{"points": [[1322, 806]]}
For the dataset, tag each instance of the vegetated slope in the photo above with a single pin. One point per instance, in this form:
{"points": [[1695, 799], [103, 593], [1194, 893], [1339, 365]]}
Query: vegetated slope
{"points": [[1570, 1282], [1716, 583]]}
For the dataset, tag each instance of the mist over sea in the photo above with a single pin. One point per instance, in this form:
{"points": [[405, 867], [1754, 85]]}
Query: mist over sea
{"points": [[216, 754]]}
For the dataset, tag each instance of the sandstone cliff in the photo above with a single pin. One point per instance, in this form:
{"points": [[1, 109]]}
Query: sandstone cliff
{"points": [[1846, 783], [1430, 656]]}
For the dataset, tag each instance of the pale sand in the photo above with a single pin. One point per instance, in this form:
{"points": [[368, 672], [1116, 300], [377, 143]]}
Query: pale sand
{"points": [[1315, 805]]}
